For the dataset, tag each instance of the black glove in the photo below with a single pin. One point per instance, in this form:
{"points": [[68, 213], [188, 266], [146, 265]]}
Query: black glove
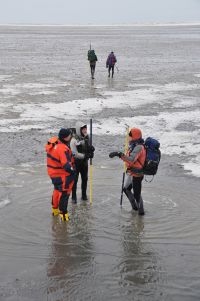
{"points": [[120, 154], [89, 155], [91, 148], [116, 154]]}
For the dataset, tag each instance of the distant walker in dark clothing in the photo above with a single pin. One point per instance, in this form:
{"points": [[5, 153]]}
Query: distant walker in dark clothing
{"points": [[92, 58], [110, 63]]}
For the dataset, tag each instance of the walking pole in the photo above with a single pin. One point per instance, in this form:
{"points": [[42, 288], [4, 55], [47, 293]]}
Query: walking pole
{"points": [[90, 167], [123, 177], [124, 172]]}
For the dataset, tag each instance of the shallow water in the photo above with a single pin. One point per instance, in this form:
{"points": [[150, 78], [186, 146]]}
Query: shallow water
{"points": [[105, 252]]}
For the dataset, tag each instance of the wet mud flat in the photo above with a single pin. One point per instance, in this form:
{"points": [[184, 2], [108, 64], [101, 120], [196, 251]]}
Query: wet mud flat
{"points": [[105, 252]]}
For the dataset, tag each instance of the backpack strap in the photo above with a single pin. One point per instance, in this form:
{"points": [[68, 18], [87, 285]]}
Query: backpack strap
{"points": [[145, 156]]}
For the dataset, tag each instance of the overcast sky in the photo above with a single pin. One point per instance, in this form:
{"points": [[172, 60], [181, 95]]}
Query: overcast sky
{"points": [[98, 11]]}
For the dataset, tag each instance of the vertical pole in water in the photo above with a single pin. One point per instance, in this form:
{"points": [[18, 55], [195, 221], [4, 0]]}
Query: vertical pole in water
{"points": [[91, 167], [121, 199], [124, 172]]}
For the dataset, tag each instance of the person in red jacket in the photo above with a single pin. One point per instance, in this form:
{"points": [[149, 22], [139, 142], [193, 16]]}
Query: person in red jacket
{"points": [[134, 160], [61, 170]]}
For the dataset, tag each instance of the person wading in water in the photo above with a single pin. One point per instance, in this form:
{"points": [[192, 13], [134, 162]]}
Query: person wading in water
{"points": [[92, 58]]}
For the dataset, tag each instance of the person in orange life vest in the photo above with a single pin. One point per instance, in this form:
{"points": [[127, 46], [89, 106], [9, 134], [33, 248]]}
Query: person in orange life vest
{"points": [[61, 169], [134, 160]]}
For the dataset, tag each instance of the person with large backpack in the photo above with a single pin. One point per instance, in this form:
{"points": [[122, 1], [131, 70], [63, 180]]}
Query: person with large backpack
{"points": [[110, 63], [92, 58], [134, 160], [142, 158]]}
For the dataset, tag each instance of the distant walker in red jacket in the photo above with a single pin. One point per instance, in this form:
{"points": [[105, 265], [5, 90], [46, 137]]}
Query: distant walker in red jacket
{"points": [[110, 63]]}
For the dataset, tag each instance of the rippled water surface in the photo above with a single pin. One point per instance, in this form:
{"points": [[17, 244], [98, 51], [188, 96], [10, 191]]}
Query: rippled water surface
{"points": [[105, 252]]}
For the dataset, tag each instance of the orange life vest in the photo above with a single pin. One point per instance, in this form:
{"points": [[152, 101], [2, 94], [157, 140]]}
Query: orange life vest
{"points": [[59, 158], [135, 167]]}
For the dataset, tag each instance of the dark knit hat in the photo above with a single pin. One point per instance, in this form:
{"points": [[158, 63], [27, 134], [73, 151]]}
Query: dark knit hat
{"points": [[63, 133]]}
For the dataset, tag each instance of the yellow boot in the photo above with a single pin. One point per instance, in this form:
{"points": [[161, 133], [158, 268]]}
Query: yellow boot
{"points": [[55, 211], [64, 217]]}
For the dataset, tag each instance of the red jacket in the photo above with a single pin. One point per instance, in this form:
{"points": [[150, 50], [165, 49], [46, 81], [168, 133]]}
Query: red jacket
{"points": [[135, 161], [60, 161]]}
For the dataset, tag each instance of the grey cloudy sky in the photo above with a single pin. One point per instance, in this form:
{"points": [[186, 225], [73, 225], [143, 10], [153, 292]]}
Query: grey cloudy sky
{"points": [[98, 11]]}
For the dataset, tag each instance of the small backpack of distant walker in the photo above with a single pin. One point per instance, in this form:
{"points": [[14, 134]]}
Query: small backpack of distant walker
{"points": [[153, 156], [91, 55]]}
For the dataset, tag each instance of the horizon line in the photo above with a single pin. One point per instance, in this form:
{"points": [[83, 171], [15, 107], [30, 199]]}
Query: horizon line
{"points": [[104, 25]]}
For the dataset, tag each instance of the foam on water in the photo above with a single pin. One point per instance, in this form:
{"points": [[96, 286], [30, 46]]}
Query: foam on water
{"points": [[4, 203], [4, 77], [11, 90], [193, 166], [177, 129]]}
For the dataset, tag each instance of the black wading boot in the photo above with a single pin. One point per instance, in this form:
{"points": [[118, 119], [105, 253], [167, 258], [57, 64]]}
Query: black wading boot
{"points": [[130, 196], [84, 189], [140, 207], [74, 198]]}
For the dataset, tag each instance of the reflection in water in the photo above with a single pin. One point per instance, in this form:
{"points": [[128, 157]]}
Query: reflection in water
{"points": [[71, 255], [111, 83], [139, 268], [93, 89]]}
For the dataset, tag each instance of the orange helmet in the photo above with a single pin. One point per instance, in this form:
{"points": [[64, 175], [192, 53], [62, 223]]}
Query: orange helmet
{"points": [[135, 133]]}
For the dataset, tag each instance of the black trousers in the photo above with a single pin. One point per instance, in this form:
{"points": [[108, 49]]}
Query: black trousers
{"points": [[110, 68], [92, 68], [63, 202], [137, 187], [81, 168]]}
